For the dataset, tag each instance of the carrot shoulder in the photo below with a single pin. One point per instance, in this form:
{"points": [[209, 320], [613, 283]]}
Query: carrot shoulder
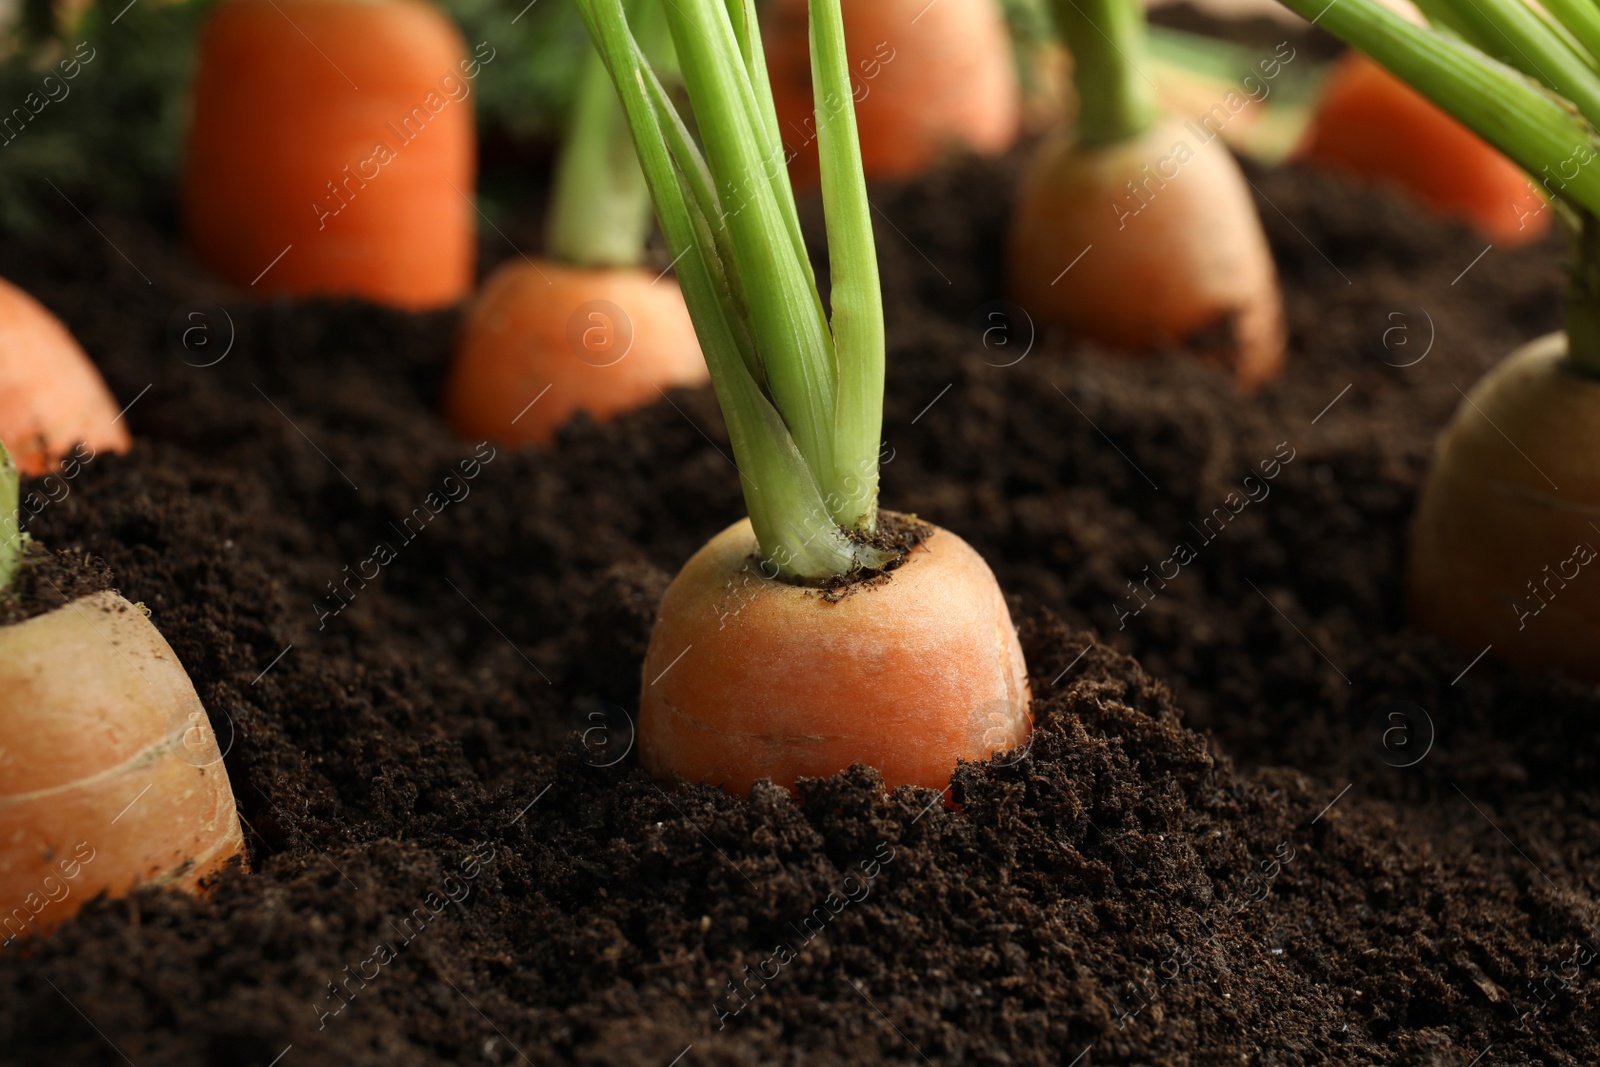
{"points": [[51, 396], [1503, 545], [1172, 249], [545, 340], [749, 677], [112, 778]]}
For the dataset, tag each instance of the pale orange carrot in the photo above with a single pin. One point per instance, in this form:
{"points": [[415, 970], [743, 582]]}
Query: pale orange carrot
{"points": [[567, 339], [110, 776], [1504, 546], [748, 677], [51, 396], [1173, 251]]}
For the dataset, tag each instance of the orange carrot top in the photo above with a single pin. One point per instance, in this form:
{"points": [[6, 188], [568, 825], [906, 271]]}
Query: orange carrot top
{"points": [[332, 150], [586, 327]]}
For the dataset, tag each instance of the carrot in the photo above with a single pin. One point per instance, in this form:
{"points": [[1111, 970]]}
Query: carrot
{"points": [[586, 329], [1140, 232], [908, 662], [1371, 124], [565, 339], [927, 79], [1503, 541], [332, 150], [1521, 578], [51, 396], [914, 676], [112, 778]]}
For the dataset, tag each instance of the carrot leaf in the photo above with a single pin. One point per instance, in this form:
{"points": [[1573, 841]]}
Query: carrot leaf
{"points": [[1511, 32]]}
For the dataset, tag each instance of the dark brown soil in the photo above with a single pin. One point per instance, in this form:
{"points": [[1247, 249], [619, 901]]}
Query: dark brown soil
{"points": [[49, 580], [1129, 891]]}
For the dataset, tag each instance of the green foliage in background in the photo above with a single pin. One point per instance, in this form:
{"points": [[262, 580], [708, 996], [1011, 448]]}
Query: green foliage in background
{"points": [[110, 135]]}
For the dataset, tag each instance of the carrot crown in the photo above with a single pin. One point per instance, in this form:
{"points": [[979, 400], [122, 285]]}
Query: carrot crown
{"points": [[10, 536], [1525, 79], [802, 392]]}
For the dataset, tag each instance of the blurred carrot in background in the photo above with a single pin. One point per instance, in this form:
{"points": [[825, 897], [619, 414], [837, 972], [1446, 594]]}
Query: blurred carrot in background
{"points": [[587, 327], [333, 150], [1138, 230], [927, 79], [1371, 124]]}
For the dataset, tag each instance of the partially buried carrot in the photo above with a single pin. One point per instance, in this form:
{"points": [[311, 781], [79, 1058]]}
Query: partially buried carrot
{"points": [[1503, 549], [905, 677], [332, 150], [927, 80], [820, 633], [1520, 575], [1137, 231], [110, 776], [51, 396], [1371, 124], [587, 328]]}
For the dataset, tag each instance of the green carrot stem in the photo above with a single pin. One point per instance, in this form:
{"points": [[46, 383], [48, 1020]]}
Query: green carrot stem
{"points": [[851, 488], [1107, 39], [599, 213], [10, 536], [1508, 30], [786, 318], [727, 220], [1581, 19], [1561, 25]]}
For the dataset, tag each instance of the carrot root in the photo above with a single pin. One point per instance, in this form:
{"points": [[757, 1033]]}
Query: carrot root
{"points": [[332, 150], [1172, 250], [1371, 124]]}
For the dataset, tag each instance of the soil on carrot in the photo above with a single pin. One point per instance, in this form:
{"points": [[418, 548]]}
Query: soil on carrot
{"points": [[894, 533], [1260, 821]]}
